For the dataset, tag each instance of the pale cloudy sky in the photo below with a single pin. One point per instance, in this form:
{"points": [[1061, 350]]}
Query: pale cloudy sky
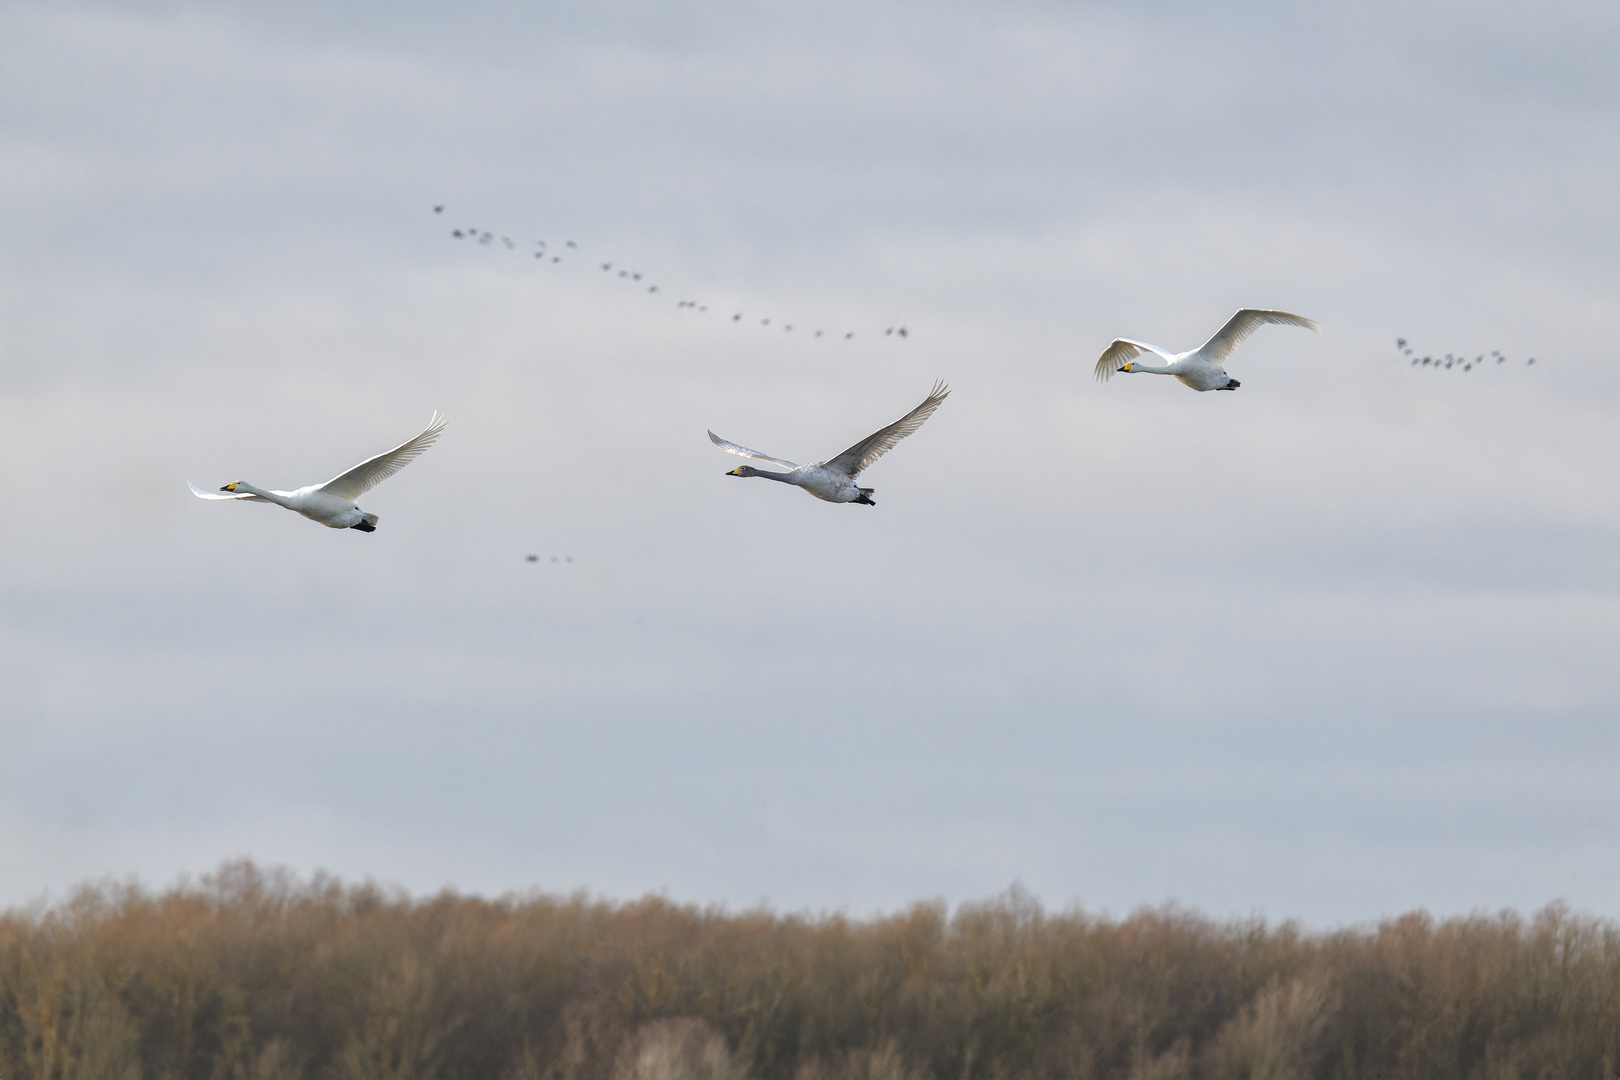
{"points": [[1337, 645]]}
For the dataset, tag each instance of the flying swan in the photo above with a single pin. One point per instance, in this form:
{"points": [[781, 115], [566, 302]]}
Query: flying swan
{"points": [[834, 479], [1202, 368], [332, 503]]}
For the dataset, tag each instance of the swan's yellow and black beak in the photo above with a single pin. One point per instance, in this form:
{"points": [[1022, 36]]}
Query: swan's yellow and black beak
{"points": [[738, 471], [230, 486], [1128, 366]]}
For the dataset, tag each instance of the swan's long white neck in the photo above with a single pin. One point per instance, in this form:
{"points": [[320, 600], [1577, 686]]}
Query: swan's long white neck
{"points": [[242, 485], [1149, 368]]}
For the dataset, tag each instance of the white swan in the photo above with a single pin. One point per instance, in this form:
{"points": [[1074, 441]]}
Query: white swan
{"points": [[1202, 368], [834, 479], [332, 503]]}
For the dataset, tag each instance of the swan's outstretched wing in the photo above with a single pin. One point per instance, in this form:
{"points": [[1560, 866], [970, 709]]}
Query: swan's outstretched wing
{"points": [[373, 471], [875, 445], [733, 448], [201, 494], [1122, 352], [1244, 323]]}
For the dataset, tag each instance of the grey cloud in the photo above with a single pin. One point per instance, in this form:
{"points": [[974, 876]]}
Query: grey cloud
{"points": [[1331, 646]]}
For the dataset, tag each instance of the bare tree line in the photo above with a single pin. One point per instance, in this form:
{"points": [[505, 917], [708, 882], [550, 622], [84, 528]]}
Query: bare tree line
{"points": [[258, 975]]}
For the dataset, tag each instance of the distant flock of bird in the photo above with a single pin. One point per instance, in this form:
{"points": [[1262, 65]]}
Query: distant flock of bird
{"points": [[1450, 361], [550, 255], [834, 480]]}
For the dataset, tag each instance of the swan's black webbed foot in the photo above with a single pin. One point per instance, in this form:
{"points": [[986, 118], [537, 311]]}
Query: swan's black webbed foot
{"points": [[364, 526], [1231, 384], [866, 497]]}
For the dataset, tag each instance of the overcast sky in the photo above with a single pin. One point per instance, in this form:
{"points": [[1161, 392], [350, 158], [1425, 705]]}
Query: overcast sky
{"points": [[1337, 645]]}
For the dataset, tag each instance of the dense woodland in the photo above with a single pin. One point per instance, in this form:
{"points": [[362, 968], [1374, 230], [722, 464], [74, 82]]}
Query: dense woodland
{"points": [[253, 974]]}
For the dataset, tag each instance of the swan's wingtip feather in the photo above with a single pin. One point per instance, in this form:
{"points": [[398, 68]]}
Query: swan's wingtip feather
{"points": [[1287, 317], [1119, 350]]}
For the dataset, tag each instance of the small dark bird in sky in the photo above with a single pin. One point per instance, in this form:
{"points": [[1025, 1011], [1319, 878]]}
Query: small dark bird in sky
{"points": [[556, 258], [532, 558], [572, 244], [652, 288], [540, 255], [507, 241], [439, 209], [889, 331], [458, 234], [635, 277], [764, 322], [902, 331], [788, 328], [1400, 343], [737, 317], [818, 333], [624, 273], [849, 335], [1531, 360]]}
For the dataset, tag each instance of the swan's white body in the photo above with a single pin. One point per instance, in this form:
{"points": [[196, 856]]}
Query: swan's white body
{"points": [[333, 503], [1203, 368], [833, 480]]}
